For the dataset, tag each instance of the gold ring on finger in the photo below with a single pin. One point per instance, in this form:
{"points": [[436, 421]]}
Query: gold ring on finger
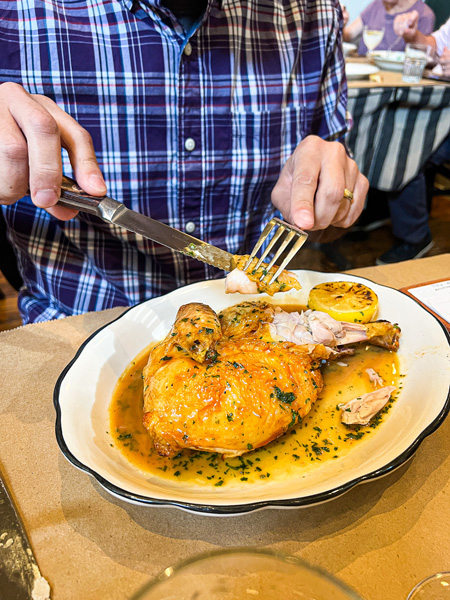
{"points": [[348, 195]]}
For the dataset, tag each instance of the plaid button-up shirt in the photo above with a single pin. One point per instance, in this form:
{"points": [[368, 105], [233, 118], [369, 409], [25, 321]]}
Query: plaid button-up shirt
{"points": [[191, 128]]}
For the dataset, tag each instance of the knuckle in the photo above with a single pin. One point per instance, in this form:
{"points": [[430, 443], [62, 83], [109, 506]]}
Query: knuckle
{"points": [[47, 172], [9, 87], [14, 151], [303, 179], [312, 140], [339, 149], [81, 136], [44, 124]]}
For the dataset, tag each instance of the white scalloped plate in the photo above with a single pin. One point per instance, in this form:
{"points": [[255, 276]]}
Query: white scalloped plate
{"points": [[83, 393]]}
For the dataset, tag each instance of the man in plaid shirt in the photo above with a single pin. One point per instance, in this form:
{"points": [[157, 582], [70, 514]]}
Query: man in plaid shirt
{"points": [[197, 114]]}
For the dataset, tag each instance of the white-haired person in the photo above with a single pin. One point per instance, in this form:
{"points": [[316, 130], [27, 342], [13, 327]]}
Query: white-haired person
{"points": [[381, 14]]}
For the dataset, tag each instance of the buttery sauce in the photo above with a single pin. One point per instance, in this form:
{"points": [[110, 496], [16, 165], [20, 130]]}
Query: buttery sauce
{"points": [[319, 438]]}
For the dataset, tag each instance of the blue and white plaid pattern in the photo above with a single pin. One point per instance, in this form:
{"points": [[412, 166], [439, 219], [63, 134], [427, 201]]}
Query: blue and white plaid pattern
{"points": [[261, 76]]}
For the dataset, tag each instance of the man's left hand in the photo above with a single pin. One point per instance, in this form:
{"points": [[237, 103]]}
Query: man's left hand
{"points": [[310, 190]]}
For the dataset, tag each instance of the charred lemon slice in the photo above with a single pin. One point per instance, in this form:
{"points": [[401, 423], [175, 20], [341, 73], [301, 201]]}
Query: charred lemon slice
{"points": [[344, 301]]}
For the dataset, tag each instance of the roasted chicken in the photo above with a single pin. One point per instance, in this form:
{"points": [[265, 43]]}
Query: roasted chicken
{"points": [[233, 382]]}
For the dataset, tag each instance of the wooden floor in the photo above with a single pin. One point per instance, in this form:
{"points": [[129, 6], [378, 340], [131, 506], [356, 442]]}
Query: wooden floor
{"points": [[352, 251]]}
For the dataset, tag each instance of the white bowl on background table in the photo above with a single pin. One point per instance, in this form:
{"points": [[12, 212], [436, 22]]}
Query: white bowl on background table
{"points": [[389, 60], [356, 71], [347, 48]]}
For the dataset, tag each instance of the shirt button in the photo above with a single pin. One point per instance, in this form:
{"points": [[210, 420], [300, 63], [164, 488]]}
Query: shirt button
{"points": [[189, 144], [190, 227], [188, 49]]}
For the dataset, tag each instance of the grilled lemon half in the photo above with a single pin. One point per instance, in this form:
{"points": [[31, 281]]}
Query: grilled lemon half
{"points": [[344, 301]]}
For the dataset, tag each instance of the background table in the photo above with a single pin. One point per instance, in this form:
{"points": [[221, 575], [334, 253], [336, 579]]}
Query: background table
{"points": [[382, 537], [397, 126]]}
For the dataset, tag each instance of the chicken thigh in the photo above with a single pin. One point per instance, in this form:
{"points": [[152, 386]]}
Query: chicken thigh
{"points": [[235, 381], [247, 392]]}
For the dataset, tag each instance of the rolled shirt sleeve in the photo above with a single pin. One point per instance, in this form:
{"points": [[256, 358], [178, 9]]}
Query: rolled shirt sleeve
{"points": [[442, 37]]}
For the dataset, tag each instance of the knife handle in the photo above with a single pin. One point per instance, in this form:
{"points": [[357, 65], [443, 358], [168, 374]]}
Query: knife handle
{"points": [[72, 196]]}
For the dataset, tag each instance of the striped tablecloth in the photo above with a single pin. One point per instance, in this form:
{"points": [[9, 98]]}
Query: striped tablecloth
{"points": [[396, 129]]}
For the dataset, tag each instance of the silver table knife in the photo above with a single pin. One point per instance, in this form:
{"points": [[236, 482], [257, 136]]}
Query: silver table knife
{"points": [[20, 578], [112, 211]]}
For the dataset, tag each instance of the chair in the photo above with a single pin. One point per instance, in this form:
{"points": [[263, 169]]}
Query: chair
{"points": [[8, 260], [442, 189]]}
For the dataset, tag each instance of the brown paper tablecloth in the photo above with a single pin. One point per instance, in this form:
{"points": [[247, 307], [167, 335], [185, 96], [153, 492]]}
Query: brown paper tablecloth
{"points": [[381, 537]]}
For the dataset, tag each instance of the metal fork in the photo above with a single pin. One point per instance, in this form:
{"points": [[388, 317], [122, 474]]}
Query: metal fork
{"points": [[293, 234]]}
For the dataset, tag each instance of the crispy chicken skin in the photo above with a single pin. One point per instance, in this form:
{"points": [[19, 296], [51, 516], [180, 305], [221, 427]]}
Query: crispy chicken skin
{"points": [[244, 318], [384, 334], [196, 330], [250, 394], [233, 382], [247, 392]]}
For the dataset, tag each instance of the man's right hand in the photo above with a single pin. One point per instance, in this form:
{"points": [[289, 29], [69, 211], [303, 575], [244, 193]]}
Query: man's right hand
{"points": [[406, 25], [33, 131]]}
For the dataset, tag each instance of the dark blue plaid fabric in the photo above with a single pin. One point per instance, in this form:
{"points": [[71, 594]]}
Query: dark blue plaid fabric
{"points": [[257, 78]]}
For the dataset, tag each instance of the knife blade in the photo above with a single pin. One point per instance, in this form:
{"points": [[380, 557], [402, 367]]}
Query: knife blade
{"points": [[112, 211], [20, 577]]}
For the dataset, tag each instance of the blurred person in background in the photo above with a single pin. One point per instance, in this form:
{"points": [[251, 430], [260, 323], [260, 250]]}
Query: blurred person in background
{"points": [[408, 26], [408, 208], [409, 212], [380, 14]]}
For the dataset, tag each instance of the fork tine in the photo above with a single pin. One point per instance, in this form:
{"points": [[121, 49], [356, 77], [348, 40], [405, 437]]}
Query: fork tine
{"points": [[284, 244], [290, 255], [276, 236], [262, 238]]}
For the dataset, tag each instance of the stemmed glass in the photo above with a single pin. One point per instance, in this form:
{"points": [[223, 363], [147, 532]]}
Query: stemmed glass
{"points": [[372, 37], [435, 587]]}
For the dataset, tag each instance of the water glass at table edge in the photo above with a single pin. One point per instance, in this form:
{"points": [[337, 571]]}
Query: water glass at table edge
{"points": [[244, 574], [416, 58]]}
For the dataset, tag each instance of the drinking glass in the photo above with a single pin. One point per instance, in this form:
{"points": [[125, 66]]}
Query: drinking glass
{"points": [[245, 574], [416, 58], [435, 587], [372, 37]]}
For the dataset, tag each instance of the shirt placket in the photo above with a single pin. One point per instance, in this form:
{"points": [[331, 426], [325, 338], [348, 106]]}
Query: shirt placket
{"points": [[190, 139]]}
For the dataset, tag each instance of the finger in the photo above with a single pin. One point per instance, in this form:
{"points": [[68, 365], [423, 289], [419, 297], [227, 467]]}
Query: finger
{"points": [[360, 190], [332, 182], [13, 160], [304, 184], [345, 209], [78, 143], [44, 157], [43, 144]]}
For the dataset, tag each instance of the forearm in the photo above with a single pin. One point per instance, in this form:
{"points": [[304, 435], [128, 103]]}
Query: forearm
{"points": [[420, 38], [346, 35], [353, 31]]}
